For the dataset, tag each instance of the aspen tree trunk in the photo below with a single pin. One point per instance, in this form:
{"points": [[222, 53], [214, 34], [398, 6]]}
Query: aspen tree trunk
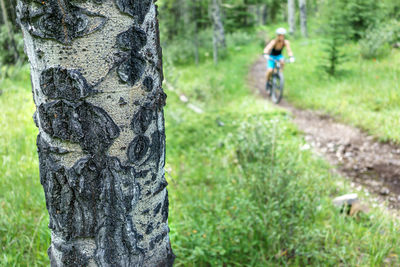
{"points": [[196, 44], [96, 74], [303, 17], [292, 16], [258, 14], [218, 32], [194, 18], [12, 45], [264, 14], [252, 14]]}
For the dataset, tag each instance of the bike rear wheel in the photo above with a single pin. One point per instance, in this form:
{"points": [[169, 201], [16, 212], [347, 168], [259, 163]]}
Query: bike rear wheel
{"points": [[277, 87]]}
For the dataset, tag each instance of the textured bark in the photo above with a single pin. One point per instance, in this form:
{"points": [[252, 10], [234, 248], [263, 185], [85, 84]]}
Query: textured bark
{"points": [[96, 74], [218, 29], [292, 16], [303, 17]]}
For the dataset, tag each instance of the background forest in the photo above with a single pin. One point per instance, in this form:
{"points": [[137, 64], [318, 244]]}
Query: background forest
{"points": [[244, 188]]}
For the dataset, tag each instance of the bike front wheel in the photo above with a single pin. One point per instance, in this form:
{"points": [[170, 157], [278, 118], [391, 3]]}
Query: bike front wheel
{"points": [[277, 87], [268, 87]]}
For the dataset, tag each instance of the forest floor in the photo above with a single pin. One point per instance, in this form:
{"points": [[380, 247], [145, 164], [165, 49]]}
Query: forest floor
{"points": [[369, 163]]}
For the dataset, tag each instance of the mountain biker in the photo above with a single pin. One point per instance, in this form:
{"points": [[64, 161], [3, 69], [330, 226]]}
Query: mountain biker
{"points": [[273, 51]]}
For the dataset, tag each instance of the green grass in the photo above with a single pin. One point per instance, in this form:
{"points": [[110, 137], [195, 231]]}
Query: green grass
{"points": [[365, 94], [242, 192], [23, 220]]}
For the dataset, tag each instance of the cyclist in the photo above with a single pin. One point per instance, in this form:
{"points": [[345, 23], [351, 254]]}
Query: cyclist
{"points": [[273, 51]]}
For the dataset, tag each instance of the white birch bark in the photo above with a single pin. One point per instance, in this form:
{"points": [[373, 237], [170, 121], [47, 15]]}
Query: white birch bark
{"points": [[303, 17], [218, 29], [292, 16]]}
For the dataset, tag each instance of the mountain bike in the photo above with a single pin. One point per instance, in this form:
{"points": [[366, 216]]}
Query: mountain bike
{"points": [[274, 85]]}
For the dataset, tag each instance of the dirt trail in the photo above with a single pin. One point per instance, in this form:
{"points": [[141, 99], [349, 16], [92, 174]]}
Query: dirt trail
{"points": [[374, 165]]}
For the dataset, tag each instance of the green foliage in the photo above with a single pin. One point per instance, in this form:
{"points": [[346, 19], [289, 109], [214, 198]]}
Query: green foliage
{"points": [[240, 14], [359, 15], [355, 16], [181, 18], [182, 50], [333, 47], [392, 8], [239, 38], [11, 13], [378, 40], [6, 53]]}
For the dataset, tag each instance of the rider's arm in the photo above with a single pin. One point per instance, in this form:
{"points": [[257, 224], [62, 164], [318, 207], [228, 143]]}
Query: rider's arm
{"points": [[269, 47], [289, 50]]}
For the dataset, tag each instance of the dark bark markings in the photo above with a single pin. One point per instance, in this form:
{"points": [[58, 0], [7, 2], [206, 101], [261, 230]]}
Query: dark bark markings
{"points": [[131, 65], [60, 83], [145, 146], [135, 8], [79, 122], [83, 203], [59, 20]]}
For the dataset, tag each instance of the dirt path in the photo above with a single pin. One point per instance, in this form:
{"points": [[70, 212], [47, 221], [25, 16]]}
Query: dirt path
{"points": [[374, 165]]}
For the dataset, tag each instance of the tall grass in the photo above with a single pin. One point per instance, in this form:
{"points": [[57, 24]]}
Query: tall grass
{"points": [[23, 219]]}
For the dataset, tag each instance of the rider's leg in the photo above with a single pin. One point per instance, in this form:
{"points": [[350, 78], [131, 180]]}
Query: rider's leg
{"points": [[269, 73], [282, 61], [270, 67]]}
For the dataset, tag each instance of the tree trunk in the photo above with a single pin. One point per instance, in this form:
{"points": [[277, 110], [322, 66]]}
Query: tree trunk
{"points": [[196, 44], [252, 14], [96, 74], [12, 46], [218, 29], [303, 17], [264, 14], [194, 19], [260, 12], [215, 48], [291, 16]]}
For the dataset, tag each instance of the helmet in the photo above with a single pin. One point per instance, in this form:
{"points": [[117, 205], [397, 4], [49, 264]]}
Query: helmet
{"points": [[281, 31]]}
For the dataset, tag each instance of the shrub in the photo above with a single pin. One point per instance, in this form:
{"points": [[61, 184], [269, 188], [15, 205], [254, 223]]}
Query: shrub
{"points": [[6, 54], [377, 40], [239, 38], [182, 50]]}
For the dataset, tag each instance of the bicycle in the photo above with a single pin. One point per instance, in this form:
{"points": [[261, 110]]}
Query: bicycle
{"points": [[274, 86]]}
